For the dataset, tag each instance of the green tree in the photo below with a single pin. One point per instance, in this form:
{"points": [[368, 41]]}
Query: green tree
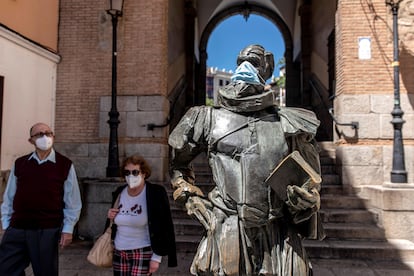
{"points": [[281, 79]]}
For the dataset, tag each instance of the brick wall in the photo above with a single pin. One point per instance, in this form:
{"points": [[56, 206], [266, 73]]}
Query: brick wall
{"points": [[360, 19], [84, 74]]}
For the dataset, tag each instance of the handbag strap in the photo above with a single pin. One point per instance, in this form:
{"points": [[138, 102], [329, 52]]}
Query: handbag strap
{"points": [[116, 200], [116, 203]]}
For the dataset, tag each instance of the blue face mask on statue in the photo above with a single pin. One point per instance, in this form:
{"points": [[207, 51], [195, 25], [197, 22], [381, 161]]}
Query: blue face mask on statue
{"points": [[246, 72]]}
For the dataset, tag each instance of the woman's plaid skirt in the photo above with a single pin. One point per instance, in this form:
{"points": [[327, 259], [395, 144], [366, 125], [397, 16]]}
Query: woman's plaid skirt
{"points": [[132, 262]]}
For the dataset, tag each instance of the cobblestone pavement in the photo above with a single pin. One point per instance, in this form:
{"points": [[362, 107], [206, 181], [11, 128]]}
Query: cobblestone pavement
{"points": [[72, 262]]}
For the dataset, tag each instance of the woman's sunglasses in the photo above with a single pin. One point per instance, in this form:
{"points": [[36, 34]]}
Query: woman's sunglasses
{"points": [[133, 172]]}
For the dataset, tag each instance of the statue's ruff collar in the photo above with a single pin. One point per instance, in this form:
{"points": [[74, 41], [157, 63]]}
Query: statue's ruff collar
{"points": [[242, 97]]}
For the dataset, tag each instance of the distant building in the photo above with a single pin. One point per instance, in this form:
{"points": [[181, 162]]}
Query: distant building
{"points": [[214, 80], [278, 85]]}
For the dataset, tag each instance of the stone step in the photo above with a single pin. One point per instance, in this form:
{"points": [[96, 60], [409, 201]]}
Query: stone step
{"points": [[188, 243], [178, 212], [347, 215], [333, 189], [331, 201], [188, 226], [328, 168], [327, 160], [330, 179], [327, 148], [351, 267], [361, 249], [353, 231]]}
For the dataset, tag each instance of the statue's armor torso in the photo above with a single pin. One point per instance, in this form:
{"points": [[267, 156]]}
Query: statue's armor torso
{"points": [[243, 159], [250, 230]]}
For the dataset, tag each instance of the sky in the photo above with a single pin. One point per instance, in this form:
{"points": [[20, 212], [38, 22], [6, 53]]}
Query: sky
{"points": [[234, 33]]}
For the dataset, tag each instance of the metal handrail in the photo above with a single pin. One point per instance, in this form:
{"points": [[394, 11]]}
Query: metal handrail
{"points": [[353, 124]]}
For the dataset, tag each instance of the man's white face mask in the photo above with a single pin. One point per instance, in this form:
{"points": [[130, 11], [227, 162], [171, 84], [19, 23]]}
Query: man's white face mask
{"points": [[44, 142], [134, 181]]}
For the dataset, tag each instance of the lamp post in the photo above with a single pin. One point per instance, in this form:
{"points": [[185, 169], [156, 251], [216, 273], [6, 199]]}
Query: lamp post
{"points": [[398, 172], [113, 155]]}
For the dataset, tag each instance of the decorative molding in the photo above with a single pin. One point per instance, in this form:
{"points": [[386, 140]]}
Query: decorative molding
{"points": [[27, 44]]}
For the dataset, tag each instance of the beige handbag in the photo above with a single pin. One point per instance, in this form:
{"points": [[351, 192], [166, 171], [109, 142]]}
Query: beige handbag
{"points": [[102, 251]]}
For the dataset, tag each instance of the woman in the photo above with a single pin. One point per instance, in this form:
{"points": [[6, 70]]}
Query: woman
{"points": [[143, 230]]}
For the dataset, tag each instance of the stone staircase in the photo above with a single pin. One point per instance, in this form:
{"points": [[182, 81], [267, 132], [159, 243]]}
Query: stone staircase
{"points": [[352, 230]]}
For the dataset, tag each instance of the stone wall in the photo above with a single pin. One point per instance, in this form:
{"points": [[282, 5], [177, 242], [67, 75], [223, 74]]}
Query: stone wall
{"points": [[143, 130]]}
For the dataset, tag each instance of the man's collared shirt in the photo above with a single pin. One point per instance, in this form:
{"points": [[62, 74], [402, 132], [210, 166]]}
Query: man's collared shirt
{"points": [[71, 196]]}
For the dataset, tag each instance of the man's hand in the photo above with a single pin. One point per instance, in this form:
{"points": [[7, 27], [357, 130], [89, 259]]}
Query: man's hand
{"points": [[65, 239]]}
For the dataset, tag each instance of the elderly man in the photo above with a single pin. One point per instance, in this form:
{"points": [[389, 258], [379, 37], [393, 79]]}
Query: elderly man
{"points": [[249, 229], [41, 206]]}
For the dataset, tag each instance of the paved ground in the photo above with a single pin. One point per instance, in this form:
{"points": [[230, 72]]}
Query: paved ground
{"points": [[73, 263]]}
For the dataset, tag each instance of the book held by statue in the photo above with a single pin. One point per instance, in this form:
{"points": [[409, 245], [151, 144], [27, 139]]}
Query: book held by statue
{"points": [[292, 170]]}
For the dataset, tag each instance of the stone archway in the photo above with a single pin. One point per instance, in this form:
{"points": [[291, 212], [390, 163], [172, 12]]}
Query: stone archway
{"points": [[292, 75]]}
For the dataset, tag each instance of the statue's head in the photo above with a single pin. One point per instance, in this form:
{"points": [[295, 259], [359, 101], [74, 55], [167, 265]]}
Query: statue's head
{"points": [[262, 60], [246, 92]]}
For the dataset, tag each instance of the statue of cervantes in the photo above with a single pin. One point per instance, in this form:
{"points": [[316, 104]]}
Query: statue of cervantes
{"points": [[253, 227]]}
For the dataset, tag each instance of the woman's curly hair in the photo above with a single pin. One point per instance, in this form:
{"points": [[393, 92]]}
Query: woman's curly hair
{"points": [[137, 160]]}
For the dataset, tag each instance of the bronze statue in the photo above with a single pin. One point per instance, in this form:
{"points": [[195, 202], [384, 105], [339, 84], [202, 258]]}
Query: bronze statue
{"points": [[249, 229]]}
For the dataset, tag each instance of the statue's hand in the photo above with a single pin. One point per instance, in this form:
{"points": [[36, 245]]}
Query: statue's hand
{"points": [[302, 203], [202, 210], [183, 190]]}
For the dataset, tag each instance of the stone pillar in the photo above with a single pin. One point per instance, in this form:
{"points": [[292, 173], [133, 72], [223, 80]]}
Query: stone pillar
{"points": [[394, 205], [96, 200]]}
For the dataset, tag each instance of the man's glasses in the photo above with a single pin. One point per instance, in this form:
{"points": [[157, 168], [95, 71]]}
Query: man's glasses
{"points": [[133, 172], [41, 134]]}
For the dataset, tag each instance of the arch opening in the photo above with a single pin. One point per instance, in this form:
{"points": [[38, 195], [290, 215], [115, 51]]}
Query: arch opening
{"points": [[291, 75], [229, 37]]}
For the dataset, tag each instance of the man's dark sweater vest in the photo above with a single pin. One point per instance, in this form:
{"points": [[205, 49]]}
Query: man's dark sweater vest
{"points": [[38, 203]]}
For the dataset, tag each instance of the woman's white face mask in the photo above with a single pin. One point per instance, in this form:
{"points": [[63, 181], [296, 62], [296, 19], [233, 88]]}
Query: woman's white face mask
{"points": [[44, 142], [134, 181]]}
